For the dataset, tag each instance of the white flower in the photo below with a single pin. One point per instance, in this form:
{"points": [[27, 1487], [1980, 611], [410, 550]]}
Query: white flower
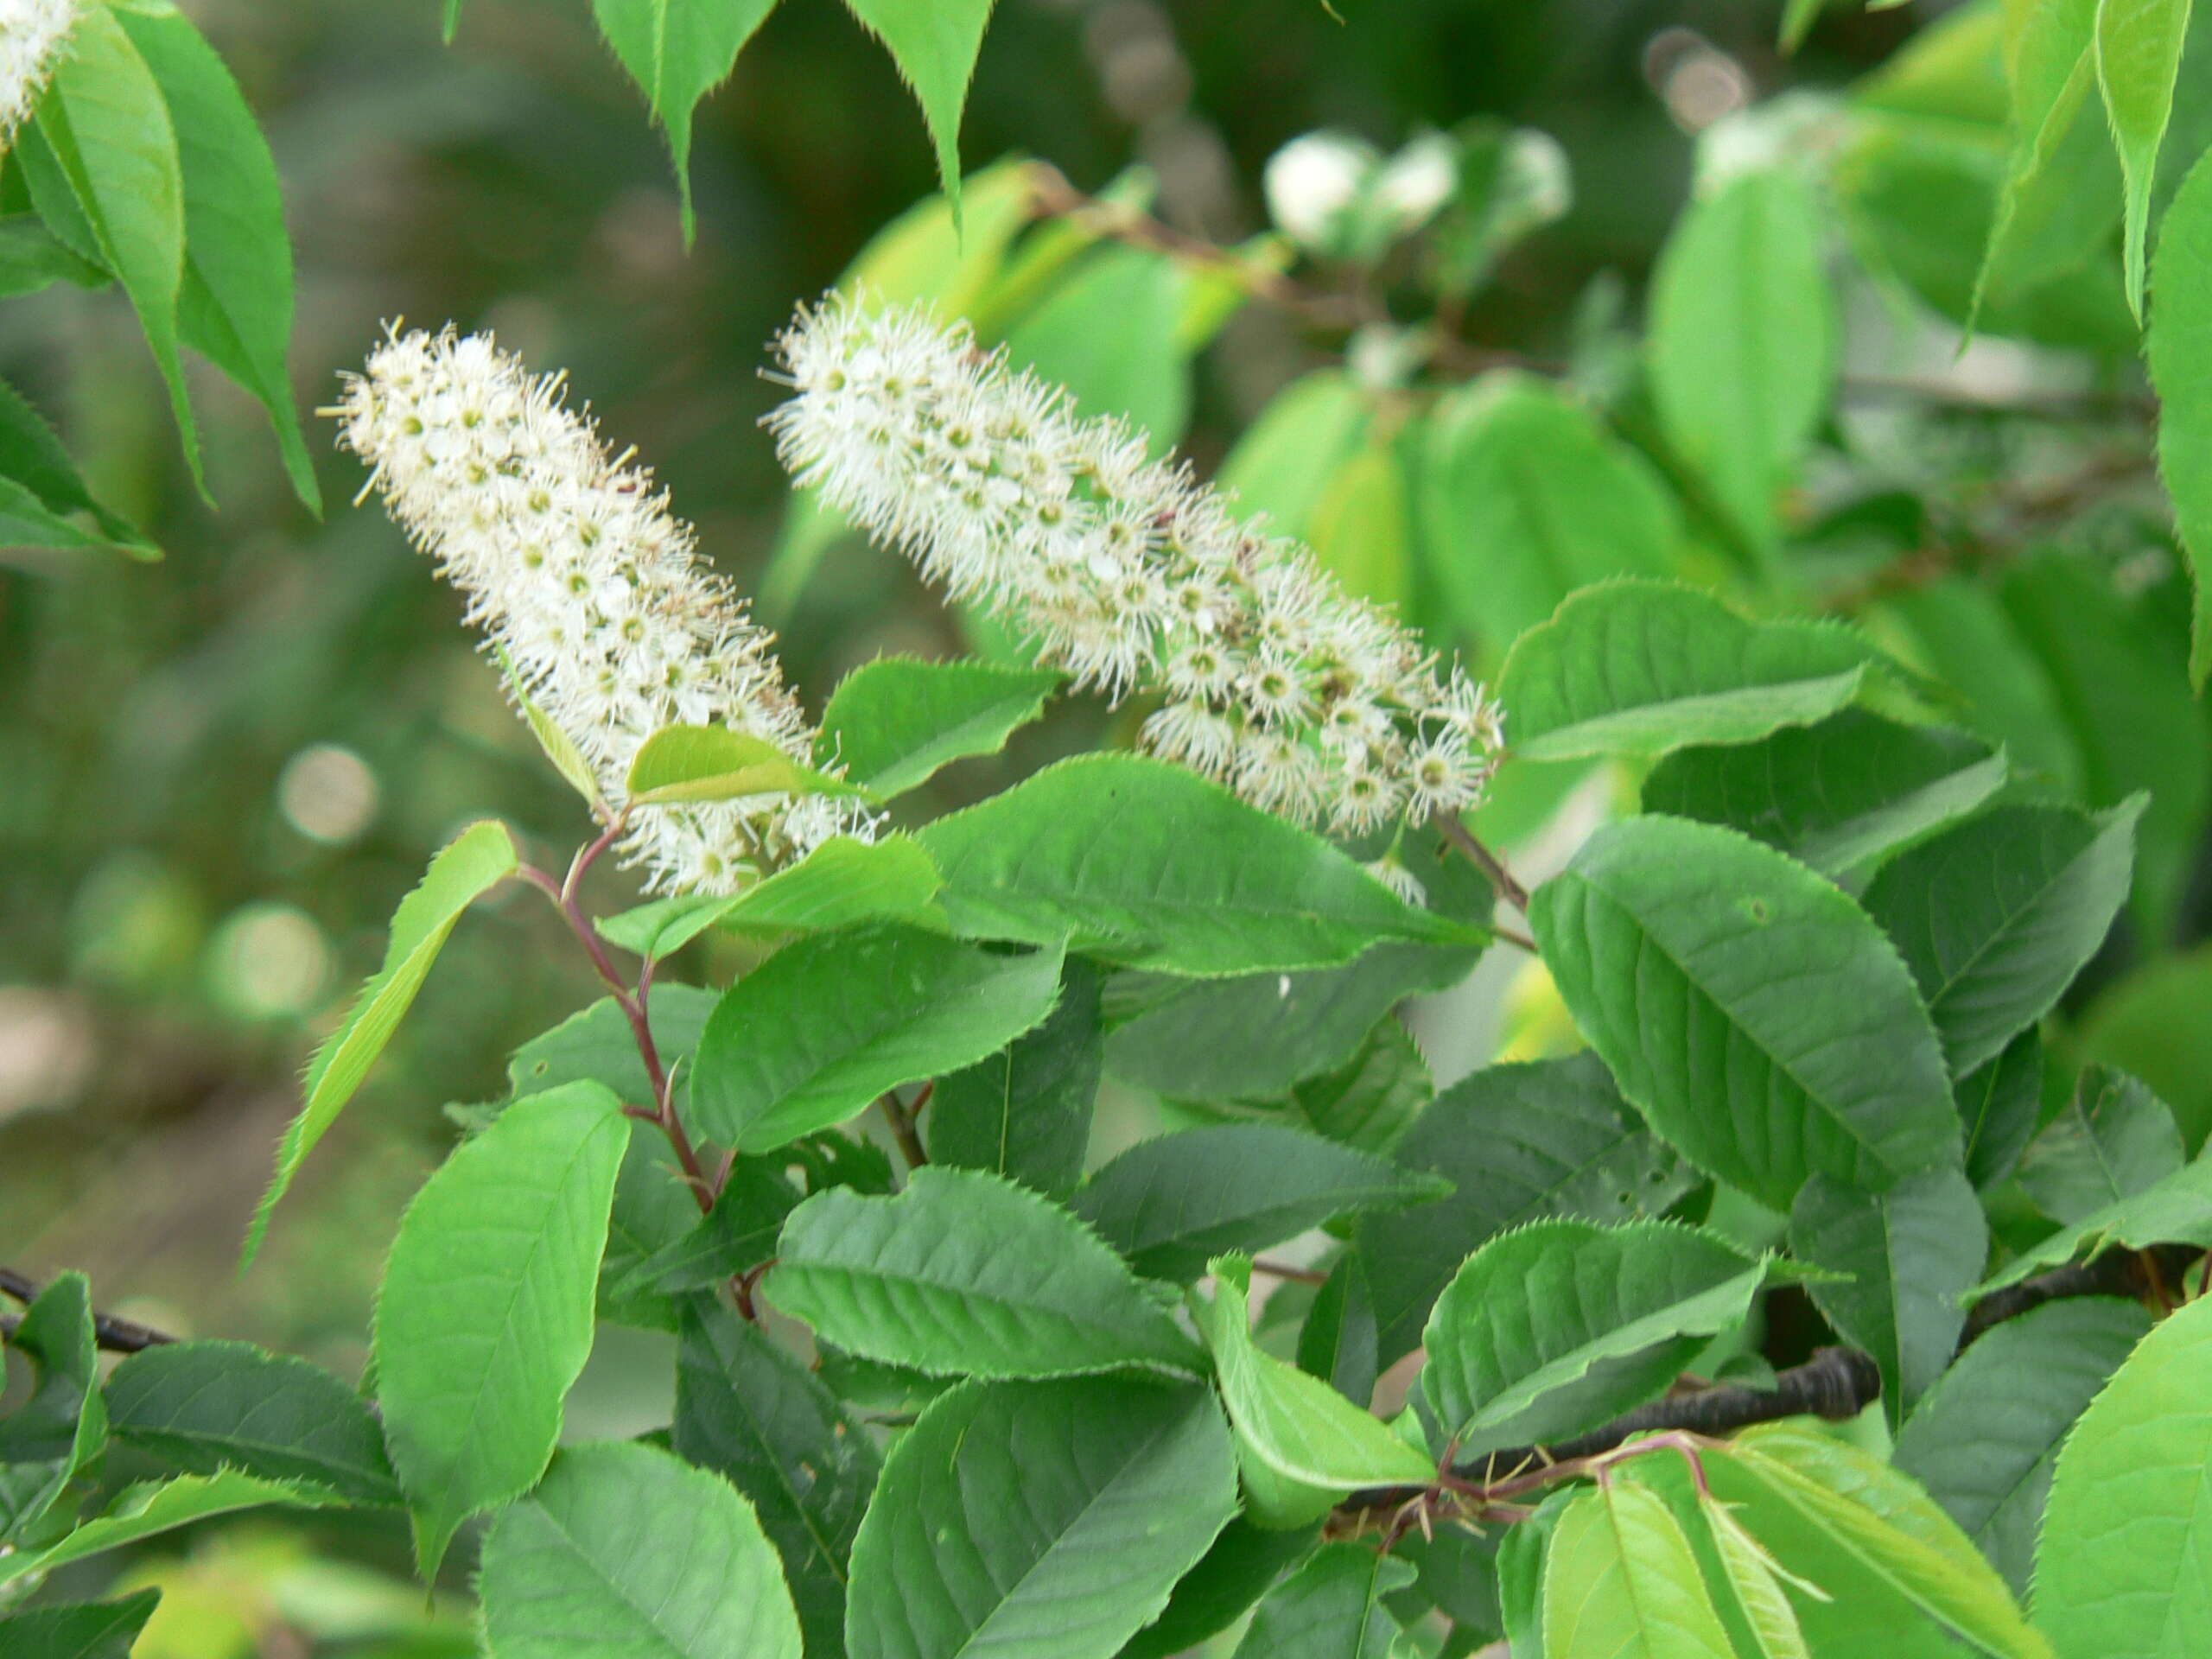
{"points": [[1312, 182], [32, 36], [575, 570], [1128, 573]]}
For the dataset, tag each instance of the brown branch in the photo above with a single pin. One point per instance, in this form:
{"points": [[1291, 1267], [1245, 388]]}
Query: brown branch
{"points": [[1482, 858], [2135, 1274], [115, 1335], [902, 1128]]}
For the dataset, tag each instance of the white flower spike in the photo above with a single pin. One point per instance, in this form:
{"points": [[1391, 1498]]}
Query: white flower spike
{"points": [[32, 36], [1128, 573], [574, 567]]}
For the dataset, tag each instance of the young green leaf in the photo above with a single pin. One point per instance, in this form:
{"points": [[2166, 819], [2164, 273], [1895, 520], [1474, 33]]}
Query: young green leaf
{"points": [[479, 859], [2179, 344], [1171, 1202], [1565, 1325], [208, 1405], [141, 1511], [712, 763], [828, 1023], [749, 1412], [92, 1629], [1024, 1112], [841, 882], [894, 724], [1910, 1253], [235, 302], [2113, 1139], [2117, 1571], [934, 42], [965, 1275], [1985, 1439], [2138, 55], [485, 1317], [1754, 1013], [1331, 1608], [1996, 917], [1755, 1580], [1294, 446], [52, 1437], [558, 746], [627, 1550], [1643, 668], [1158, 868], [678, 51], [1619, 1580]]}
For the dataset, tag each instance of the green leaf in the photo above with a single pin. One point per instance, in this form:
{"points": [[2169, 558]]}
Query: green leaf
{"points": [[1754, 1015], [54, 1436], [1024, 1112], [1643, 668], [477, 860], [1996, 917], [95, 1629], [829, 1023], [485, 1317], [627, 1551], [752, 1414], [207, 1406], [33, 257], [1296, 1426], [1371, 1101], [934, 43], [966, 1275], [1233, 1575], [841, 882], [1048, 1520], [558, 746], [1565, 1325], [2114, 1139], [235, 302], [2147, 1023], [1744, 334], [33, 460], [1841, 795], [2177, 1210], [1171, 1202], [2179, 344], [712, 763], [678, 51], [108, 127], [2119, 1568], [1910, 1253], [1619, 1580], [1755, 1578], [1331, 1608], [1997, 1109], [1155, 868], [1109, 333], [1361, 531], [1519, 1143], [1526, 498], [737, 1236], [1986, 1437], [1293, 446], [894, 724], [597, 1045], [141, 1511], [2138, 55]]}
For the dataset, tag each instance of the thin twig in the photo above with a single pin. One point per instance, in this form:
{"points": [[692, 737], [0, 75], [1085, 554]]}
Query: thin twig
{"points": [[1284, 1270], [1513, 936], [116, 1336], [1488, 862], [902, 1129]]}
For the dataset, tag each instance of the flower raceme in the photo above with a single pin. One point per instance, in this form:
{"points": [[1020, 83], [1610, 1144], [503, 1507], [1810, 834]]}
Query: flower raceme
{"points": [[32, 36], [575, 569], [1128, 573]]}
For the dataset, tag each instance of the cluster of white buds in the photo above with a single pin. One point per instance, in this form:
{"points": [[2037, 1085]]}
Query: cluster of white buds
{"points": [[575, 569], [1128, 573], [32, 36]]}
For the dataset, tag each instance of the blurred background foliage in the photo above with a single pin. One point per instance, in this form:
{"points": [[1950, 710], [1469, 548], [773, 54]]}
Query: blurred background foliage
{"points": [[218, 773]]}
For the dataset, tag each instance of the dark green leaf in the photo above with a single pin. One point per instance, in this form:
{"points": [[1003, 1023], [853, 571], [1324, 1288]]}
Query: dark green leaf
{"points": [[2180, 347], [141, 1511], [1231, 1575], [2114, 1139], [48, 1440], [1025, 1113], [97, 1630], [737, 1235], [1997, 1109], [1371, 1101], [1331, 1608], [32, 458], [2177, 1210], [934, 43], [32, 258]]}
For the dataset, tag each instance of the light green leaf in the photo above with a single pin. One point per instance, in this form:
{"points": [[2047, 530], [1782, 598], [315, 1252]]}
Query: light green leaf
{"points": [[2120, 1563], [1910, 1254], [33, 257], [1643, 668], [678, 51], [1296, 1426], [967, 1275], [46, 486], [1155, 868], [1046, 1520], [1024, 1112], [1330, 1608], [1755, 1578], [1744, 341], [1620, 1583], [1754, 1015], [829, 1023], [895, 722], [624, 1549], [141, 1511], [555, 744], [235, 304], [96, 1629], [1287, 456], [2138, 55], [479, 859], [712, 763], [1565, 1325], [2114, 1139], [1841, 795], [2179, 344], [934, 43], [2177, 1210], [1108, 332], [841, 882], [1171, 1203], [108, 127], [1996, 917], [1986, 1437], [57, 1434], [2145, 1022], [208, 1405], [1361, 530], [485, 1317], [737, 1235]]}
